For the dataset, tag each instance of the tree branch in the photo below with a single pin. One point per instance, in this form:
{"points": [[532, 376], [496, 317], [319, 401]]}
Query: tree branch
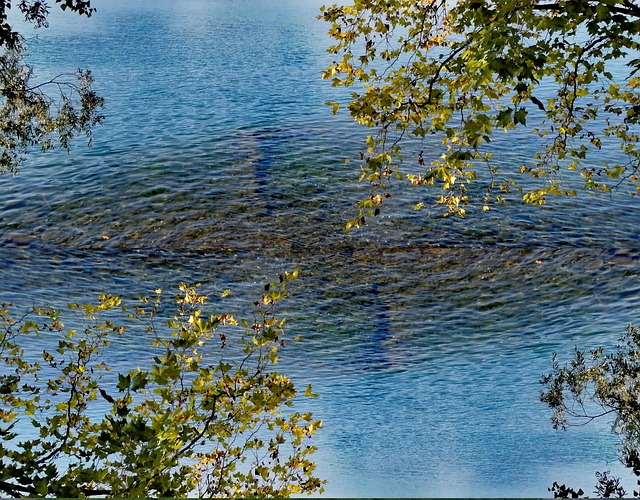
{"points": [[199, 435], [15, 490], [631, 9]]}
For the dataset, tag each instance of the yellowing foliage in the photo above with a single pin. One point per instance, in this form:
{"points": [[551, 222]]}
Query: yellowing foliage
{"points": [[209, 416], [463, 70]]}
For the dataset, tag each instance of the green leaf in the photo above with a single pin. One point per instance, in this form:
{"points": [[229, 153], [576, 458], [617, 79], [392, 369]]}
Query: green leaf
{"points": [[520, 117], [139, 381], [124, 382]]}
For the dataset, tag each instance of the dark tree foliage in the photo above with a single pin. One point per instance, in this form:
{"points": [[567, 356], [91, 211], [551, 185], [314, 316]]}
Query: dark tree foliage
{"points": [[35, 12], [596, 385], [48, 113], [563, 491]]}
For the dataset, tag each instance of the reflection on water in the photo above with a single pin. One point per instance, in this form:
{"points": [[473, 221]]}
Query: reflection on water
{"points": [[220, 164]]}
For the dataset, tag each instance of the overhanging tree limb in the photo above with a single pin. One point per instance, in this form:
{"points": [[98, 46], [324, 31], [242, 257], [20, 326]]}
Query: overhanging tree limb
{"points": [[29, 117], [463, 70]]}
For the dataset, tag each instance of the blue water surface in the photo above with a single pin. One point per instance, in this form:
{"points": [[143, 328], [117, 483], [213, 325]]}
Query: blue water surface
{"points": [[219, 163]]}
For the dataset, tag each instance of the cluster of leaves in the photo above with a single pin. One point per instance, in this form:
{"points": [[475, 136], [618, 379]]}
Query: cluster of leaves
{"points": [[208, 417], [48, 113], [606, 487], [35, 12], [597, 385], [466, 69]]}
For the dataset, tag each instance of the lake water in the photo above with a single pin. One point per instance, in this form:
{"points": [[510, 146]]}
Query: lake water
{"points": [[219, 163]]}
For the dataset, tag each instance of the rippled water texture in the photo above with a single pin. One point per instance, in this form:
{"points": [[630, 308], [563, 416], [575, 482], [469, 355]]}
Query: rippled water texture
{"points": [[219, 163]]}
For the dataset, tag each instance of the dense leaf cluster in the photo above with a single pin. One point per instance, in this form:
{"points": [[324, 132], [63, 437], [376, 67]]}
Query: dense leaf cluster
{"points": [[464, 70], [596, 385], [208, 416], [45, 114]]}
